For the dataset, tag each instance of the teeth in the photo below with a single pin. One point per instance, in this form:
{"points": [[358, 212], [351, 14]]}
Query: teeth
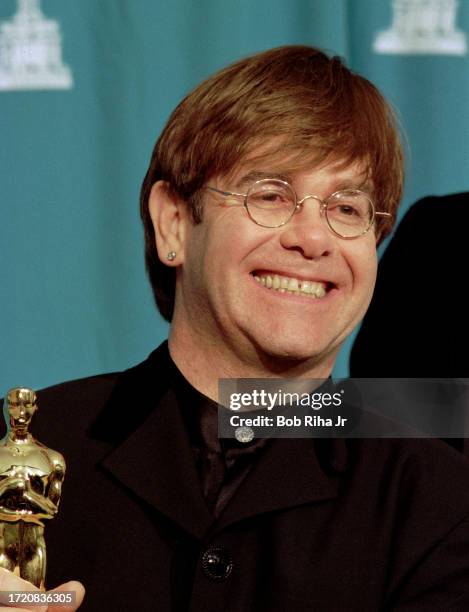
{"points": [[285, 284], [320, 291]]}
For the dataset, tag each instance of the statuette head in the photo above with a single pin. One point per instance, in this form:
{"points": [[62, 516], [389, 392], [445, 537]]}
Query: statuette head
{"points": [[22, 404]]}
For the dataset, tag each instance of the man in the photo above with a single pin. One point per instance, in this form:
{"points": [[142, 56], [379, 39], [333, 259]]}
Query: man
{"points": [[266, 195]]}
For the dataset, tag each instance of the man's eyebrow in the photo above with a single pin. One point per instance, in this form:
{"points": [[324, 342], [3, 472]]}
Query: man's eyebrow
{"points": [[256, 175], [366, 185]]}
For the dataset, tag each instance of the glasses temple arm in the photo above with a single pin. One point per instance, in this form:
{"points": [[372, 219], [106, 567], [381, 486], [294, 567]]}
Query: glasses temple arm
{"points": [[226, 193]]}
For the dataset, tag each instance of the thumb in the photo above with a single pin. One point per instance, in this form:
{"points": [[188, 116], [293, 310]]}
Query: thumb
{"points": [[74, 586]]}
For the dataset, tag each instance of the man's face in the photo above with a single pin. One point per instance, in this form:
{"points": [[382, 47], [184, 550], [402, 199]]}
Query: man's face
{"points": [[223, 303]]}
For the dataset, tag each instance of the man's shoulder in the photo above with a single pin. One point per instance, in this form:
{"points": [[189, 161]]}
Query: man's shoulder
{"points": [[83, 393], [426, 472], [78, 403], [75, 403], [426, 453]]}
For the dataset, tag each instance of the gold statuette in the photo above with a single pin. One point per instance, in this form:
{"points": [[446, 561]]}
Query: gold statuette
{"points": [[31, 477]]}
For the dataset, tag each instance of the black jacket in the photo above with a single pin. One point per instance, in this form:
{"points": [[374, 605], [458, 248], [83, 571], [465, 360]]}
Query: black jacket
{"points": [[356, 525]]}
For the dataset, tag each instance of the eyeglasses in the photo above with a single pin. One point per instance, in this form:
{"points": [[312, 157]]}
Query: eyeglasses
{"points": [[349, 213]]}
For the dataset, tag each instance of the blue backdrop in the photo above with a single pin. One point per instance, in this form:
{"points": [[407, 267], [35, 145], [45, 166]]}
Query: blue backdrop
{"points": [[85, 88]]}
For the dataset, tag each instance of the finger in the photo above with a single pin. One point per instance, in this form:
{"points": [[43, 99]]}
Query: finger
{"points": [[14, 609], [79, 590], [11, 582]]}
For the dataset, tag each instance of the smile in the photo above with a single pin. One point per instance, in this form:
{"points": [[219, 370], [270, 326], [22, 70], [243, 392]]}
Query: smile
{"points": [[286, 284]]}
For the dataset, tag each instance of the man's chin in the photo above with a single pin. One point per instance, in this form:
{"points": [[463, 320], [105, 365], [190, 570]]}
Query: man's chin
{"points": [[292, 355]]}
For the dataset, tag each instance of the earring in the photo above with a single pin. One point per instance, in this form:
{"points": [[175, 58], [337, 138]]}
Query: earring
{"points": [[171, 255]]}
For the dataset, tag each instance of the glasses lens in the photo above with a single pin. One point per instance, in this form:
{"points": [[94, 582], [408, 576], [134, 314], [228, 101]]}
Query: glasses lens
{"points": [[349, 213], [270, 202]]}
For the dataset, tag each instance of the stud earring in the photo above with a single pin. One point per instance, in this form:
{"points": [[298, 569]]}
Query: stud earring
{"points": [[171, 256]]}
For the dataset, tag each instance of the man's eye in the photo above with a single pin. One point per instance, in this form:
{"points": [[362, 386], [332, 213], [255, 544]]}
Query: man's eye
{"points": [[348, 211], [345, 210], [268, 198], [272, 196]]}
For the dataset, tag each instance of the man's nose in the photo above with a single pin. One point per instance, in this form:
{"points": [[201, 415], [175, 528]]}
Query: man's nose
{"points": [[307, 231]]}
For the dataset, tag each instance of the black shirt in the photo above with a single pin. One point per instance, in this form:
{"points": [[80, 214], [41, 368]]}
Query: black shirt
{"points": [[222, 463]]}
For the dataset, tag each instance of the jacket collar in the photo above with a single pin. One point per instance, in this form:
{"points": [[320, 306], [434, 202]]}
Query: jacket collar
{"points": [[152, 457]]}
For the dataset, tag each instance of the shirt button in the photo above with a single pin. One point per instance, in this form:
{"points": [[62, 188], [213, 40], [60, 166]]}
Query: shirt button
{"points": [[217, 563]]}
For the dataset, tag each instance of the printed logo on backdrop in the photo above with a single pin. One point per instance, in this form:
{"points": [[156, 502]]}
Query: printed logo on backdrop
{"points": [[31, 51], [422, 27]]}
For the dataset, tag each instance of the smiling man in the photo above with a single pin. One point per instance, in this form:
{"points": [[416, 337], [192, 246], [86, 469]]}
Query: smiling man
{"points": [[313, 285], [294, 165], [266, 196]]}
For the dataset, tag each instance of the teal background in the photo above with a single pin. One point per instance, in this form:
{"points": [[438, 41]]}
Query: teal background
{"points": [[74, 297]]}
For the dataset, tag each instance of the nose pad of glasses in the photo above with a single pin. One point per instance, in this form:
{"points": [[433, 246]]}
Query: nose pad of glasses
{"points": [[300, 204]]}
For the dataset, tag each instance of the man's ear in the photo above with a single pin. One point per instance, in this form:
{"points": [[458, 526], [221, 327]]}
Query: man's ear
{"points": [[169, 215]]}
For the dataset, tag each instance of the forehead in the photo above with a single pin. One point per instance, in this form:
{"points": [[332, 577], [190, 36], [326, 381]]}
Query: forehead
{"points": [[341, 174], [284, 156]]}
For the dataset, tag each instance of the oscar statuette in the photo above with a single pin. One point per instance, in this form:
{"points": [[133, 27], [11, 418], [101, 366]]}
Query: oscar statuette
{"points": [[31, 477]]}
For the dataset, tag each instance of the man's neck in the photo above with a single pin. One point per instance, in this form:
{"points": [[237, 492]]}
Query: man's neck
{"points": [[204, 363]]}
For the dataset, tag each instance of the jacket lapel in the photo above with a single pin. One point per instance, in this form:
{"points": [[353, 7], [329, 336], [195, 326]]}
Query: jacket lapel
{"points": [[152, 457], [151, 454], [156, 463], [289, 472]]}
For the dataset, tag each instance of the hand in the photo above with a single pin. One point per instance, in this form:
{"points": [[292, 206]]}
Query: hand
{"points": [[10, 582]]}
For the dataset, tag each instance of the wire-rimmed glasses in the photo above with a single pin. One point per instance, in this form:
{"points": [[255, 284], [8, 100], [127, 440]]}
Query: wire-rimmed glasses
{"points": [[349, 213]]}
